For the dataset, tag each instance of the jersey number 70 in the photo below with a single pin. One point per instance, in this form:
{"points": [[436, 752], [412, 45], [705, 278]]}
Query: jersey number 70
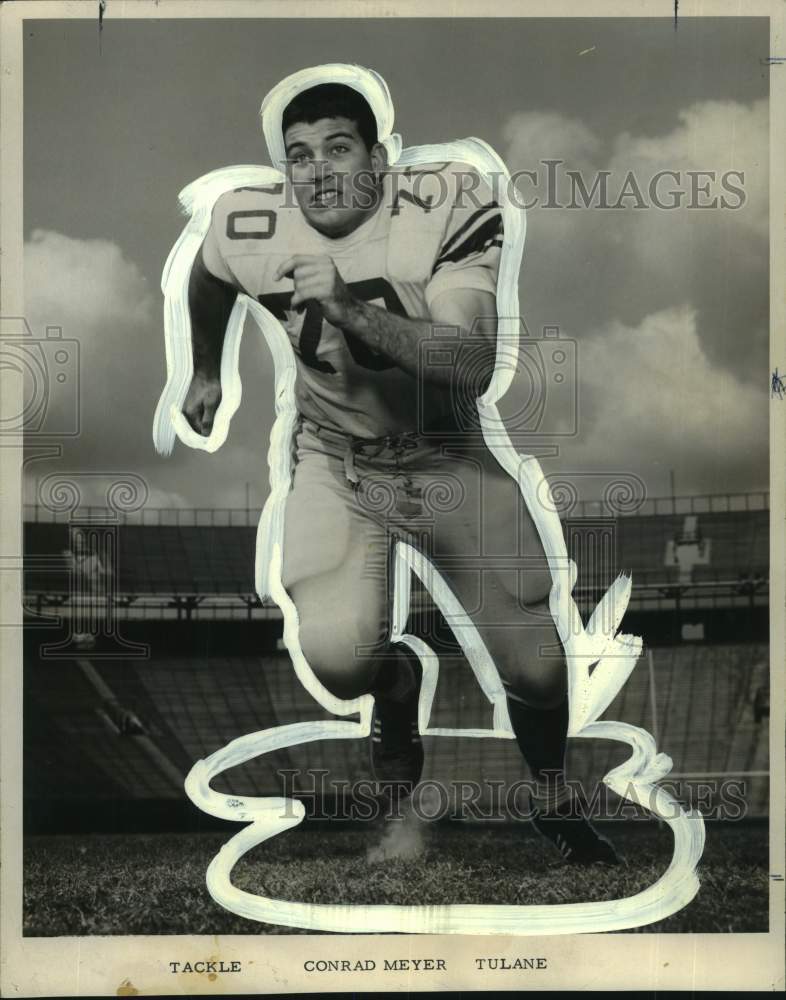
{"points": [[369, 290]]}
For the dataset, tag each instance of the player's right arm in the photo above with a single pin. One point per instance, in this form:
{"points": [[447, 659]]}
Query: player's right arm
{"points": [[211, 295]]}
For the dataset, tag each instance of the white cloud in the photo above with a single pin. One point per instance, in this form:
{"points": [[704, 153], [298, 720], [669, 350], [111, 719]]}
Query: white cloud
{"points": [[92, 489], [719, 136], [585, 268], [86, 286], [532, 138], [536, 135], [668, 308], [166, 499], [100, 299], [652, 400]]}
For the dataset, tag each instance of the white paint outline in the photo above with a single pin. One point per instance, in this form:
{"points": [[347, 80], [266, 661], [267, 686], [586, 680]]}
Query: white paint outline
{"points": [[613, 654]]}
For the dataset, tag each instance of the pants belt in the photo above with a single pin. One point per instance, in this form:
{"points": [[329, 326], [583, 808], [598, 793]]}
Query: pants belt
{"points": [[373, 447]]}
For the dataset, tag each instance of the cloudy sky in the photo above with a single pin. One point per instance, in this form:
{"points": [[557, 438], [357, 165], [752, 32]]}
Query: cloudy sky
{"points": [[668, 308]]}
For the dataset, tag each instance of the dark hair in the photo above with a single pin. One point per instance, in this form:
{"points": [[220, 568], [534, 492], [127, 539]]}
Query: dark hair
{"points": [[332, 100]]}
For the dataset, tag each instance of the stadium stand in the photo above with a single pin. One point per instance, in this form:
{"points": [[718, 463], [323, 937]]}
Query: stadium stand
{"points": [[157, 559], [210, 559], [702, 716], [101, 730], [187, 559], [71, 747]]}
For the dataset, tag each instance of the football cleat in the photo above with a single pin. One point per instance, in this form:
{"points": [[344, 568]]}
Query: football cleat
{"points": [[574, 837], [396, 748]]}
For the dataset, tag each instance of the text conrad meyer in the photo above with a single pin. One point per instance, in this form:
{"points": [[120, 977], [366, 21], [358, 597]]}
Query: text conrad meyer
{"points": [[369, 965]]}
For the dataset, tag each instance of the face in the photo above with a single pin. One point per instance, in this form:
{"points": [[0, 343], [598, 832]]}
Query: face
{"points": [[332, 174]]}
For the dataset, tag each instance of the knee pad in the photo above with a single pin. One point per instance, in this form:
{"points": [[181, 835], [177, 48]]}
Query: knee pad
{"points": [[340, 651], [546, 689], [540, 676]]}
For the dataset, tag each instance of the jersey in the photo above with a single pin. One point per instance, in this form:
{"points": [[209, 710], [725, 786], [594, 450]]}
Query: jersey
{"points": [[436, 228]]}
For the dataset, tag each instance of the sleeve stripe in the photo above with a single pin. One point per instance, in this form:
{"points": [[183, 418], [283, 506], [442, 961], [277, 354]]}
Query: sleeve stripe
{"points": [[473, 259], [488, 232], [474, 218]]}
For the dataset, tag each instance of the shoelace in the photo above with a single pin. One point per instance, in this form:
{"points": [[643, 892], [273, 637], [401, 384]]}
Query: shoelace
{"points": [[376, 732]]}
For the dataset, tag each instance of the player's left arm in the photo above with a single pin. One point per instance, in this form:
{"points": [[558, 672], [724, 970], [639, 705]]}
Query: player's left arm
{"points": [[401, 338]]}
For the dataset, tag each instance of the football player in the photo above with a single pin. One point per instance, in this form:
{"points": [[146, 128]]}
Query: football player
{"points": [[319, 253]]}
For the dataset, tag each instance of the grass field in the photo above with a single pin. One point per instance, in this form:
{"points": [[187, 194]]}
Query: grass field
{"points": [[155, 884]]}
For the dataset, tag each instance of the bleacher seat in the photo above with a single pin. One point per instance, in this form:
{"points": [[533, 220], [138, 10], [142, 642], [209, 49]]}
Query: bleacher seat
{"points": [[186, 560], [740, 540], [180, 559], [192, 707], [70, 748], [641, 541]]}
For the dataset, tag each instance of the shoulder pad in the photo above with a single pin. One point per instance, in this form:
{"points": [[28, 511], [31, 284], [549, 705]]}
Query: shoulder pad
{"points": [[438, 188], [430, 204], [238, 219], [249, 212], [253, 226], [425, 186]]}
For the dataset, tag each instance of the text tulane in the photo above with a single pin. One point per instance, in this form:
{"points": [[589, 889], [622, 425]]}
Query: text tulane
{"points": [[511, 963]]}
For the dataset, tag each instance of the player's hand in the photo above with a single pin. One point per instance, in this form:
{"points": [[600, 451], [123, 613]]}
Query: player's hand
{"points": [[317, 279], [202, 399]]}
